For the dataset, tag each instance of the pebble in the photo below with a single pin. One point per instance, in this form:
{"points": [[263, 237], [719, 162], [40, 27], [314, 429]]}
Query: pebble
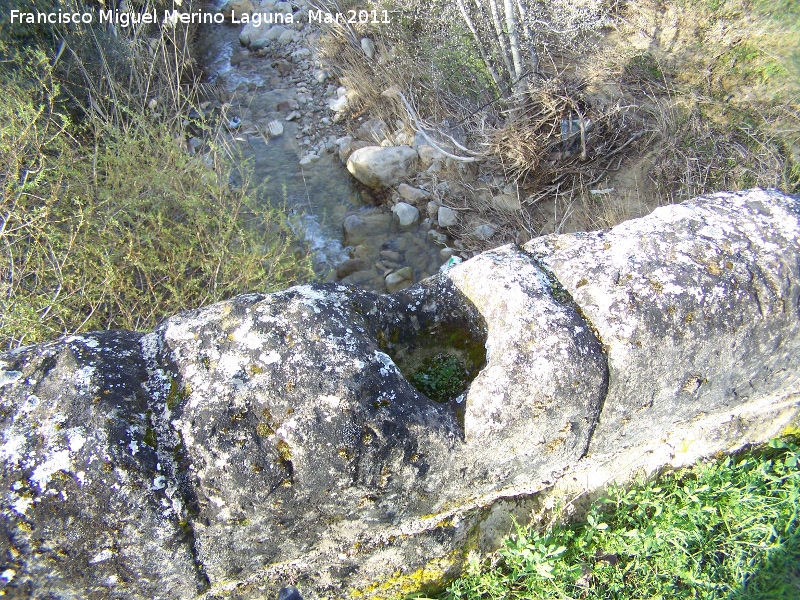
{"points": [[308, 159], [447, 217]]}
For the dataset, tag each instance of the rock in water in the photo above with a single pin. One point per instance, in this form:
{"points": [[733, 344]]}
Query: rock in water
{"points": [[378, 167], [399, 280], [280, 437], [275, 128], [405, 214]]}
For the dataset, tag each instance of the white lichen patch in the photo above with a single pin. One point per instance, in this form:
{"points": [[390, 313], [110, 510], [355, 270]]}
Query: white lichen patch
{"points": [[270, 358], [86, 341], [57, 461], [331, 401], [247, 338], [102, 556], [11, 450], [9, 377], [75, 439], [230, 364], [387, 362], [83, 377]]}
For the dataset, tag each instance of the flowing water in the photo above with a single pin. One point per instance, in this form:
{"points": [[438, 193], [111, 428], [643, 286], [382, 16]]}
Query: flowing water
{"points": [[318, 197]]}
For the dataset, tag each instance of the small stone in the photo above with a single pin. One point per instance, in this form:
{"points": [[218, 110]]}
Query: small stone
{"points": [[428, 154], [308, 159], [437, 237], [258, 44], [353, 224], [275, 128], [412, 194], [286, 37], [405, 214], [432, 208], [506, 202], [275, 32], [368, 47], [483, 232], [399, 279], [379, 167], [391, 255], [351, 265], [292, 116], [337, 104], [446, 217]]}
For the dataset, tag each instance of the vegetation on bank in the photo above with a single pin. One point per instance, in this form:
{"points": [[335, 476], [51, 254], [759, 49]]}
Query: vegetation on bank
{"points": [[603, 111], [726, 529], [109, 219]]}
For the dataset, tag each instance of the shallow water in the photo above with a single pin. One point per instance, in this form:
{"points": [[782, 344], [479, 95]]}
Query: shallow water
{"points": [[318, 196]]}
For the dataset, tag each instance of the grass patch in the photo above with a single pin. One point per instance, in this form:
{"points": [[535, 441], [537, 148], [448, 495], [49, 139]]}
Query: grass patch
{"points": [[441, 378], [727, 529], [107, 220]]}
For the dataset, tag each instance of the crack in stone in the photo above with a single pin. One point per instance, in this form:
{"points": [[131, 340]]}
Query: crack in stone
{"points": [[562, 296]]}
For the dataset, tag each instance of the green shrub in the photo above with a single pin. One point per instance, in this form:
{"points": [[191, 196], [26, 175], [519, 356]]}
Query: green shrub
{"points": [[109, 227], [441, 377], [728, 529]]}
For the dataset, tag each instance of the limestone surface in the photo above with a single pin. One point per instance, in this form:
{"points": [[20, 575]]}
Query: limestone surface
{"points": [[293, 438]]}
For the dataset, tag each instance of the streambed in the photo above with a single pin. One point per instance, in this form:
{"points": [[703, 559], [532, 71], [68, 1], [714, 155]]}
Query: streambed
{"points": [[279, 82]]}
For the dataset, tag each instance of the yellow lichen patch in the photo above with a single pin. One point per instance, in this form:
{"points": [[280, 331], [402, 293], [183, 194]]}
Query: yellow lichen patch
{"points": [[432, 576], [263, 429], [793, 429], [255, 369], [555, 444], [386, 474], [284, 451]]}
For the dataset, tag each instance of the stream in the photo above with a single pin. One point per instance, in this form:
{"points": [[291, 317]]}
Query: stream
{"points": [[318, 196]]}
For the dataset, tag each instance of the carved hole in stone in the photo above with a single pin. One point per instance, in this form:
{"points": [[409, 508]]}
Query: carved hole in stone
{"points": [[442, 360]]}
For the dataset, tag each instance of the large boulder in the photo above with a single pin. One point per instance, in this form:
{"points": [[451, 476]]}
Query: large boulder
{"points": [[290, 437], [379, 167], [696, 305]]}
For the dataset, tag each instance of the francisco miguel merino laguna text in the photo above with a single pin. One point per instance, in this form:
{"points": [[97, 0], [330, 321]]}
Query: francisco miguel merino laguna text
{"points": [[125, 19]]}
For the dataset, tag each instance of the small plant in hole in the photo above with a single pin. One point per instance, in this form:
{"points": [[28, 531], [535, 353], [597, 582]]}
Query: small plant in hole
{"points": [[441, 377]]}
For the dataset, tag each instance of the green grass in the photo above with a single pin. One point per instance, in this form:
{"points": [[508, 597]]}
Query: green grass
{"points": [[110, 223], [727, 529], [441, 378]]}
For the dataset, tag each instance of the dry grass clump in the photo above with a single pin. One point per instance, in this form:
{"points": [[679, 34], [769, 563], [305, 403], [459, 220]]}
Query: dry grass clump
{"points": [[120, 74], [107, 220], [557, 139], [699, 154], [624, 106]]}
